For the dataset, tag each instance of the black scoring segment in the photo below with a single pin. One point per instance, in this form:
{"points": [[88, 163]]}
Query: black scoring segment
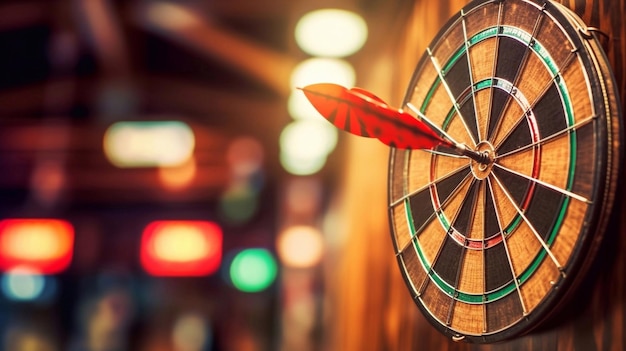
{"points": [[511, 52], [503, 312], [543, 210], [499, 272], [468, 114], [510, 55], [458, 78], [463, 221], [448, 261], [515, 185], [492, 227], [585, 155], [446, 186], [550, 112], [499, 99], [421, 209], [520, 136]]}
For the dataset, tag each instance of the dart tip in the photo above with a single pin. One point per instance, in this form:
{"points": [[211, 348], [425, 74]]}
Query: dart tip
{"points": [[303, 89]]}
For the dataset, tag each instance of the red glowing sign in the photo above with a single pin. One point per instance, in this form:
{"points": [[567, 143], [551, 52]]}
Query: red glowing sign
{"points": [[44, 245], [181, 248]]}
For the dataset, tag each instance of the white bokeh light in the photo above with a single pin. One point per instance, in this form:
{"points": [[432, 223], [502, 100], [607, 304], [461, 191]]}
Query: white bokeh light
{"points": [[305, 145], [299, 107], [148, 143], [323, 70], [308, 139], [331, 33], [302, 166]]}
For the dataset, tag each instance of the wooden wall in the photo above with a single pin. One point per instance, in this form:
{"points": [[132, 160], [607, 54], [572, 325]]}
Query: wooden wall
{"points": [[368, 306]]}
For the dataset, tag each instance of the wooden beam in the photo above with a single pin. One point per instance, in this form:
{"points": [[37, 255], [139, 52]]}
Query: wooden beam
{"points": [[180, 24]]}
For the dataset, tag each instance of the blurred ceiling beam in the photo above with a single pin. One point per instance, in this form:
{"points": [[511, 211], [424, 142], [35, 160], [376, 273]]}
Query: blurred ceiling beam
{"points": [[27, 100], [87, 173], [248, 9], [163, 93], [127, 186], [24, 137], [155, 93], [23, 14], [181, 25], [188, 100], [102, 28]]}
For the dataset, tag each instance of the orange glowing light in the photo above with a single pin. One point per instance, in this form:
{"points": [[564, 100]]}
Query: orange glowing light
{"points": [[44, 245], [181, 248], [300, 246], [178, 177]]}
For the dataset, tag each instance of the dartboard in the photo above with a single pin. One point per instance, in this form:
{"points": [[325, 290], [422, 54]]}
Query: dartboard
{"points": [[489, 249]]}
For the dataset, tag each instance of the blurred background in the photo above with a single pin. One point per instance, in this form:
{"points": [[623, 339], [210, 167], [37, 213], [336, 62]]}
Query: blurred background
{"points": [[163, 185]]}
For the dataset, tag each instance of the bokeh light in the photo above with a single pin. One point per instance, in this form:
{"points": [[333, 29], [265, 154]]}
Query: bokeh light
{"points": [[245, 156], [33, 241], [40, 243], [191, 332], [48, 180], [181, 243], [299, 107], [148, 143], [331, 33], [303, 196], [253, 270], [301, 166], [170, 15], [323, 70], [178, 176], [300, 246], [23, 284], [307, 139], [181, 248], [305, 146], [238, 203]]}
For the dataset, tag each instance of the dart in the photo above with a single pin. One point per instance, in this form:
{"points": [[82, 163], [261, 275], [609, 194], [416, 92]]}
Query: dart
{"points": [[362, 113]]}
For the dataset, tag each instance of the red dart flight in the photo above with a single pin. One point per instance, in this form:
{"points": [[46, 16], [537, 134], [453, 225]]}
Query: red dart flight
{"points": [[362, 113]]}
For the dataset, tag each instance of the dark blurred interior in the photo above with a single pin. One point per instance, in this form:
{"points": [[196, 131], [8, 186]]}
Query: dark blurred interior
{"points": [[135, 243], [69, 71]]}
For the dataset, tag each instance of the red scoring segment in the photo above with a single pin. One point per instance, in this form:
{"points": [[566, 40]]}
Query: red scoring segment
{"points": [[181, 248], [43, 245]]}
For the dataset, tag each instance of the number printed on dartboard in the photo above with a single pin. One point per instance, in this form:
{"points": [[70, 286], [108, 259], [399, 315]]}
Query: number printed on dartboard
{"points": [[489, 249]]}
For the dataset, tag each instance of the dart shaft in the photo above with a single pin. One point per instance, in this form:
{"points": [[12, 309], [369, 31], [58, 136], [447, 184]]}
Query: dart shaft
{"points": [[480, 157]]}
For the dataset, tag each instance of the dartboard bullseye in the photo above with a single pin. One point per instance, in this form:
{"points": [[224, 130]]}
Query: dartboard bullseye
{"points": [[489, 247]]}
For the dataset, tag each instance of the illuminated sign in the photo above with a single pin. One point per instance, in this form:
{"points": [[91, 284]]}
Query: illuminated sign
{"points": [[43, 245], [181, 248]]}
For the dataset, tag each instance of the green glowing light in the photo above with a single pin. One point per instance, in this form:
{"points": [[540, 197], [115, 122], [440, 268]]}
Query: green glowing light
{"points": [[253, 270]]}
